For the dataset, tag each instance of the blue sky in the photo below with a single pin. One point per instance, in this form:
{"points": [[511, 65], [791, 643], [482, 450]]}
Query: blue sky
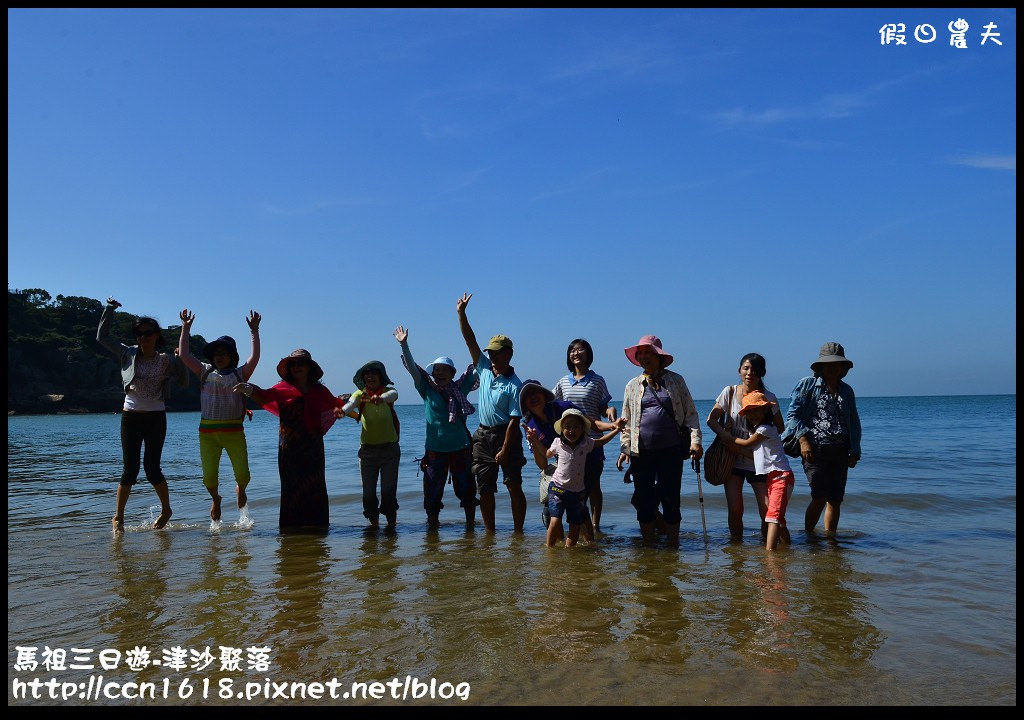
{"points": [[730, 180]]}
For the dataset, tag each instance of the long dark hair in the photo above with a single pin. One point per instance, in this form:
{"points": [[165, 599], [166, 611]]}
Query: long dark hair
{"points": [[586, 348], [161, 344], [758, 364]]}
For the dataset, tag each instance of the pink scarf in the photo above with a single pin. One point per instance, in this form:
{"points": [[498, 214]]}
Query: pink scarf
{"points": [[320, 404]]}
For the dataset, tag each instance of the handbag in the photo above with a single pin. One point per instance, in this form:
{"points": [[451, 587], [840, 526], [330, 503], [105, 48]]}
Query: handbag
{"points": [[718, 461], [791, 445]]}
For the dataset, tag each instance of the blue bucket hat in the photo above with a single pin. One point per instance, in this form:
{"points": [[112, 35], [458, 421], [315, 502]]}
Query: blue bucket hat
{"points": [[443, 360]]}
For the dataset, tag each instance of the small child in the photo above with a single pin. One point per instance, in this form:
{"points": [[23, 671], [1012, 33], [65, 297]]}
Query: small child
{"points": [[769, 460], [567, 493], [220, 426]]}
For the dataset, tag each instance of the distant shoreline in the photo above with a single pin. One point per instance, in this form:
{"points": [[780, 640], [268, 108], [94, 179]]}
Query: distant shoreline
{"points": [[83, 411]]}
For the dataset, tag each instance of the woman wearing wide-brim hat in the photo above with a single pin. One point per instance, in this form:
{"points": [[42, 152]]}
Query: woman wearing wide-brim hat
{"points": [[823, 416], [659, 411], [306, 409], [372, 404]]}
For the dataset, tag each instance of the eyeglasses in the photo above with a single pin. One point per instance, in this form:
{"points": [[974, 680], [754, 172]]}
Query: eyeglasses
{"points": [[144, 333]]}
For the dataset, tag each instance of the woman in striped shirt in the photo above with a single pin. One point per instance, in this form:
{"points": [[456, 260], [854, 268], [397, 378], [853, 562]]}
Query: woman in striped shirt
{"points": [[587, 390]]}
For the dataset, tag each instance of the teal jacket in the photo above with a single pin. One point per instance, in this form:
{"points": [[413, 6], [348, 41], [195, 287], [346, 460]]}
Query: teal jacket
{"points": [[126, 355], [804, 403]]}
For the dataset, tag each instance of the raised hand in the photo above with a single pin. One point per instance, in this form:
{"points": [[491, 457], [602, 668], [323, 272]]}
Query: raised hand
{"points": [[253, 321], [401, 334], [187, 318], [462, 302]]}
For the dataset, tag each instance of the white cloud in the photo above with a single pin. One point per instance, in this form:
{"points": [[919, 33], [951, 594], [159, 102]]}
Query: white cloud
{"points": [[987, 162]]}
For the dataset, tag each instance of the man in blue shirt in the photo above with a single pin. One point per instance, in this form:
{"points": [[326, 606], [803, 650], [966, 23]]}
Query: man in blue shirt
{"points": [[498, 442]]}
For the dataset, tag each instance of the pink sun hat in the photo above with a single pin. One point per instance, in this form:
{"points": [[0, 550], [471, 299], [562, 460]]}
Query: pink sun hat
{"points": [[654, 343]]}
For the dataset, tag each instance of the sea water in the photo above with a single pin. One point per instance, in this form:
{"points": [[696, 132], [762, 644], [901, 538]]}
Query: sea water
{"points": [[914, 602]]}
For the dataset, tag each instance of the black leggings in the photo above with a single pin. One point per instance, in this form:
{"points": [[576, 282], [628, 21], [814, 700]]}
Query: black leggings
{"points": [[138, 428]]}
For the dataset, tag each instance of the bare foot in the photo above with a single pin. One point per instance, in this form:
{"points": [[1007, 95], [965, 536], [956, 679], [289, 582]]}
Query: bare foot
{"points": [[214, 510], [242, 497], [392, 519], [164, 517], [118, 523], [374, 521]]}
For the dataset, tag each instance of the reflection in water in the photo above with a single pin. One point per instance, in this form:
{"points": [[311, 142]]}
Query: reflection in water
{"points": [[221, 597], [574, 608], [375, 639], [655, 620], [772, 639], [297, 625], [786, 612], [838, 612], [139, 615]]}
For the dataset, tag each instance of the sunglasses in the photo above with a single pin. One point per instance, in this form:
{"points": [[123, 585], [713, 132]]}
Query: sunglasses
{"points": [[144, 333]]}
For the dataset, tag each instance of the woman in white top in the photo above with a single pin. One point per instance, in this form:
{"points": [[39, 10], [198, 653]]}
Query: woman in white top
{"points": [[752, 371], [146, 372]]}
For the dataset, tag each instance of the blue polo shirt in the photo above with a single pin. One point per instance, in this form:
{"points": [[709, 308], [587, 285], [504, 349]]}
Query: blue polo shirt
{"points": [[498, 400]]}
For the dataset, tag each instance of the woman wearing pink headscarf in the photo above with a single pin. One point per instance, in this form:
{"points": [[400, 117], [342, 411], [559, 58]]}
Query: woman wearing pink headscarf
{"points": [[662, 430], [307, 412]]}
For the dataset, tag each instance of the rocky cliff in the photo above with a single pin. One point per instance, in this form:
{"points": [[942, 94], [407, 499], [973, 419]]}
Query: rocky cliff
{"points": [[54, 363]]}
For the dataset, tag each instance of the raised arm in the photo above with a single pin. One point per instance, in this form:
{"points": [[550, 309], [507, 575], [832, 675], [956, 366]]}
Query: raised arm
{"points": [[103, 331], [402, 336], [253, 321], [184, 353], [467, 331]]}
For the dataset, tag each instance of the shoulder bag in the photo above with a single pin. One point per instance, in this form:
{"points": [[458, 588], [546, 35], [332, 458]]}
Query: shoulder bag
{"points": [[718, 461]]}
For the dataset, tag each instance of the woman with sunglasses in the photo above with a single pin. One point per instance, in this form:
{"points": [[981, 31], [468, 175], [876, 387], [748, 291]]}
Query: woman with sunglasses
{"points": [[145, 374]]}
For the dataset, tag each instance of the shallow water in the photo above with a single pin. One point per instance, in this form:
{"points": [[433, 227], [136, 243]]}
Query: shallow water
{"points": [[913, 603]]}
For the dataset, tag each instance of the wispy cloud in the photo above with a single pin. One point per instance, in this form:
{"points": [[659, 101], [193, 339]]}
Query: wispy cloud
{"points": [[987, 162], [830, 107], [827, 108], [629, 58], [314, 207]]}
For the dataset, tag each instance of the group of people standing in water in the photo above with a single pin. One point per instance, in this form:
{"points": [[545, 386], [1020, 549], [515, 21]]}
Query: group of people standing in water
{"points": [[566, 429]]}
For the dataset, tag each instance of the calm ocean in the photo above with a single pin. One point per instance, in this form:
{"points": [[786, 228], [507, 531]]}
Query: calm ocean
{"points": [[913, 603]]}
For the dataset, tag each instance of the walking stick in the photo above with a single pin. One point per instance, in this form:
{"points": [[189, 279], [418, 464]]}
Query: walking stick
{"points": [[695, 463]]}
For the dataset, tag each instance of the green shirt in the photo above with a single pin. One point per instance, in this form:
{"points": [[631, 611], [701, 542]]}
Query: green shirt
{"points": [[377, 421]]}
